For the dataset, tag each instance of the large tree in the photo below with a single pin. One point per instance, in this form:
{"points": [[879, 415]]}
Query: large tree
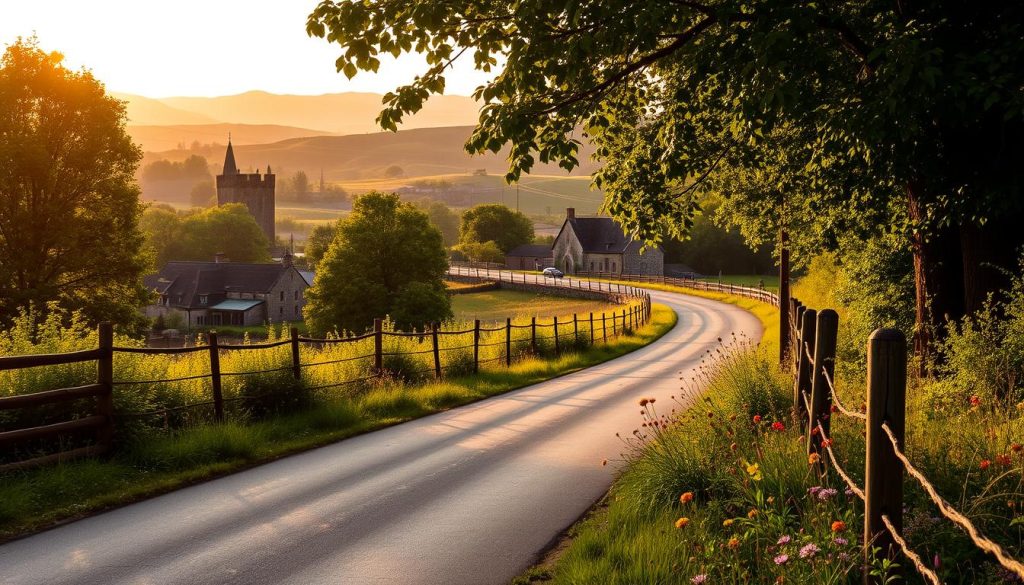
{"points": [[202, 234], [385, 259], [69, 207], [915, 105], [493, 222]]}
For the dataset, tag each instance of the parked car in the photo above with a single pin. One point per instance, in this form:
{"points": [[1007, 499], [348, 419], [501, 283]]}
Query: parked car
{"points": [[552, 272]]}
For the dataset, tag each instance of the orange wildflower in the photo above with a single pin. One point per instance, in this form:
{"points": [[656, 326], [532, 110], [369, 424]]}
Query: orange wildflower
{"points": [[813, 458], [752, 513], [1016, 447], [686, 498], [733, 543], [682, 522], [757, 418], [838, 526]]}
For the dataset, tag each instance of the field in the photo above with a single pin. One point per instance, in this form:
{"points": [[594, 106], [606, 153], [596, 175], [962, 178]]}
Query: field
{"points": [[771, 281], [497, 305]]}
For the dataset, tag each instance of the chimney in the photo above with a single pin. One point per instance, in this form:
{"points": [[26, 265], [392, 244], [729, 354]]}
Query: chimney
{"points": [[570, 213], [288, 260]]}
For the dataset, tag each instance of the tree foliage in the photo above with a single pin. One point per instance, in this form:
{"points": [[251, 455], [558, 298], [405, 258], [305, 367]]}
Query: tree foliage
{"points": [[482, 252], [69, 208], [443, 218], [493, 222], [912, 108], [317, 243], [202, 234], [386, 259]]}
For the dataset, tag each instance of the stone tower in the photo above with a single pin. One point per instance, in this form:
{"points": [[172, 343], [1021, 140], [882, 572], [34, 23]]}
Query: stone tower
{"points": [[254, 191]]}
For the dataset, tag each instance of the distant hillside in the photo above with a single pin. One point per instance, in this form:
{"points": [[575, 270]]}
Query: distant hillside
{"points": [[160, 138], [420, 152], [342, 113], [144, 110]]}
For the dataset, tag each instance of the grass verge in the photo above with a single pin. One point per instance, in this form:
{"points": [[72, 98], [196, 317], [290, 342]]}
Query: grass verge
{"points": [[37, 499]]}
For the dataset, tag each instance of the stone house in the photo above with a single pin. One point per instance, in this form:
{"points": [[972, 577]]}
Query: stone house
{"points": [[529, 257], [599, 245], [208, 294]]}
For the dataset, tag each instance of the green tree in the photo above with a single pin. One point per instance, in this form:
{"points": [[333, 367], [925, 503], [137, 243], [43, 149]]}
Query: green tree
{"points": [[380, 250], [915, 108], [493, 222], [202, 234], [482, 252], [203, 194], [443, 218], [300, 186], [317, 243], [69, 208]]}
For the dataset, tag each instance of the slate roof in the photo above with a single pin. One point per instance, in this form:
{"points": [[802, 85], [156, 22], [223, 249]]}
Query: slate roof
{"points": [[236, 305], [600, 235], [530, 251], [183, 282]]}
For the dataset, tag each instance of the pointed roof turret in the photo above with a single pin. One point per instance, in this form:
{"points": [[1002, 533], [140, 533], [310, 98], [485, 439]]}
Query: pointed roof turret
{"points": [[229, 160]]}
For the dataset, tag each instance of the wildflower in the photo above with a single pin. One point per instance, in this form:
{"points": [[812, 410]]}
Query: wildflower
{"points": [[778, 426], [848, 492], [781, 559], [827, 494], [682, 522], [733, 447], [843, 557], [809, 550], [651, 400], [840, 541], [834, 408], [754, 471], [936, 562], [826, 443], [975, 401], [686, 498], [838, 526], [984, 464], [783, 540], [643, 402], [813, 458], [752, 513], [1016, 447], [733, 543], [699, 579], [757, 418], [813, 491], [1003, 459], [727, 522], [771, 499], [814, 432]]}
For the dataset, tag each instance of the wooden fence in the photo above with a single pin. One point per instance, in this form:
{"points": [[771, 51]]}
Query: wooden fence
{"points": [[590, 329], [813, 355]]}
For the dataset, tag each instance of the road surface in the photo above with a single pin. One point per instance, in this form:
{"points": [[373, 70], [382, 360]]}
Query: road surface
{"points": [[468, 496]]}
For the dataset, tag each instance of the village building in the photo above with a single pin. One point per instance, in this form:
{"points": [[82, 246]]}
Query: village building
{"points": [[529, 257], [254, 191], [599, 245], [207, 294]]}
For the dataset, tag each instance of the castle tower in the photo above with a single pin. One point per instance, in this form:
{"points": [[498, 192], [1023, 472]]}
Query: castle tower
{"points": [[250, 189]]}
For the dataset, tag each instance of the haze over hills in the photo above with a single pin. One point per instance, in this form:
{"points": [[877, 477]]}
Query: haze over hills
{"points": [[341, 113], [419, 152], [160, 138]]}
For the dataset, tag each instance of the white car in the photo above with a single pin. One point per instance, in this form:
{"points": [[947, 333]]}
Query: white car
{"points": [[552, 272]]}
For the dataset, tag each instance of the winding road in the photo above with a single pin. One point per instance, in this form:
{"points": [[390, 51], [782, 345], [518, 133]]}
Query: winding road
{"points": [[468, 496]]}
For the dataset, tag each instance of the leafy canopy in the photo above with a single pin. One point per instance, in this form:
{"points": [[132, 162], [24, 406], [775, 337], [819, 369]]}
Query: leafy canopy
{"points": [[880, 94], [69, 208], [493, 222], [385, 259], [201, 234]]}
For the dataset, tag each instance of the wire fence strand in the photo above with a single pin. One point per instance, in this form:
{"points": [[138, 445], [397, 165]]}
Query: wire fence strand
{"points": [[907, 552], [953, 514], [838, 403], [827, 442]]}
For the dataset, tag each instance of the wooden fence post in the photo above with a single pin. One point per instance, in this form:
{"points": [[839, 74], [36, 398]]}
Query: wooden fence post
{"points": [[218, 395], [575, 329], [508, 341], [476, 346], [591, 328], [105, 378], [437, 349], [558, 348], [604, 327], [883, 473], [296, 363], [378, 346], [794, 353], [802, 386], [825, 334], [533, 335], [624, 332]]}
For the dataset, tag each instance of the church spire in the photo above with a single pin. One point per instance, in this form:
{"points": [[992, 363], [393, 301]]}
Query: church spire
{"points": [[229, 160]]}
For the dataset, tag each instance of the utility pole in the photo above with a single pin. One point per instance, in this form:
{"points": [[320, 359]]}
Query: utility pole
{"points": [[517, 196]]}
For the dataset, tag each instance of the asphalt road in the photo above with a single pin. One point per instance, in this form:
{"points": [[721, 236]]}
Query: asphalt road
{"points": [[468, 496]]}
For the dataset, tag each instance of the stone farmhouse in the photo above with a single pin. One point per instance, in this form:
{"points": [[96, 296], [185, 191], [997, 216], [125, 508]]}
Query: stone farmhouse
{"points": [[599, 245], [207, 294]]}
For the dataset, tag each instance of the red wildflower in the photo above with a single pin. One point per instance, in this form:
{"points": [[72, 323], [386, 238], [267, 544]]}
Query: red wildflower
{"points": [[757, 418], [985, 463], [1003, 459], [778, 426], [975, 401]]}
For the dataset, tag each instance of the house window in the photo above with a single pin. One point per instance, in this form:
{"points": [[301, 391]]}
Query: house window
{"points": [[613, 267], [295, 294], [282, 295], [203, 299], [591, 266], [296, 313], [200, 320], [281, 310]]}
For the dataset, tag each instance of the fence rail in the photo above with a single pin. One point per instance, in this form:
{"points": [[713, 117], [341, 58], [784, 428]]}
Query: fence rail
{"points": [[812, 354], [101, 419]]}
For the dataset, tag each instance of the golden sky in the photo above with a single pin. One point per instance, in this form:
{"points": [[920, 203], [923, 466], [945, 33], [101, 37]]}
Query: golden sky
{"points": [[203, 47]]}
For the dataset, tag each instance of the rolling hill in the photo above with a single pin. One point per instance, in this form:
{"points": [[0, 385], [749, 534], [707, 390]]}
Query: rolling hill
{"points": [[147, 111], [160, 138]]}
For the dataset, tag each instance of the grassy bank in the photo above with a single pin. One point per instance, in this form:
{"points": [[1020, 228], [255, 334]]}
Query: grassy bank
{"points": [[495, 305], [32, 500], [724, 492]]}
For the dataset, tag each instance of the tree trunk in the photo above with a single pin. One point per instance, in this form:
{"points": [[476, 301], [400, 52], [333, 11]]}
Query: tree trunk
{"points": [[938, 279], [990, 255]]}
